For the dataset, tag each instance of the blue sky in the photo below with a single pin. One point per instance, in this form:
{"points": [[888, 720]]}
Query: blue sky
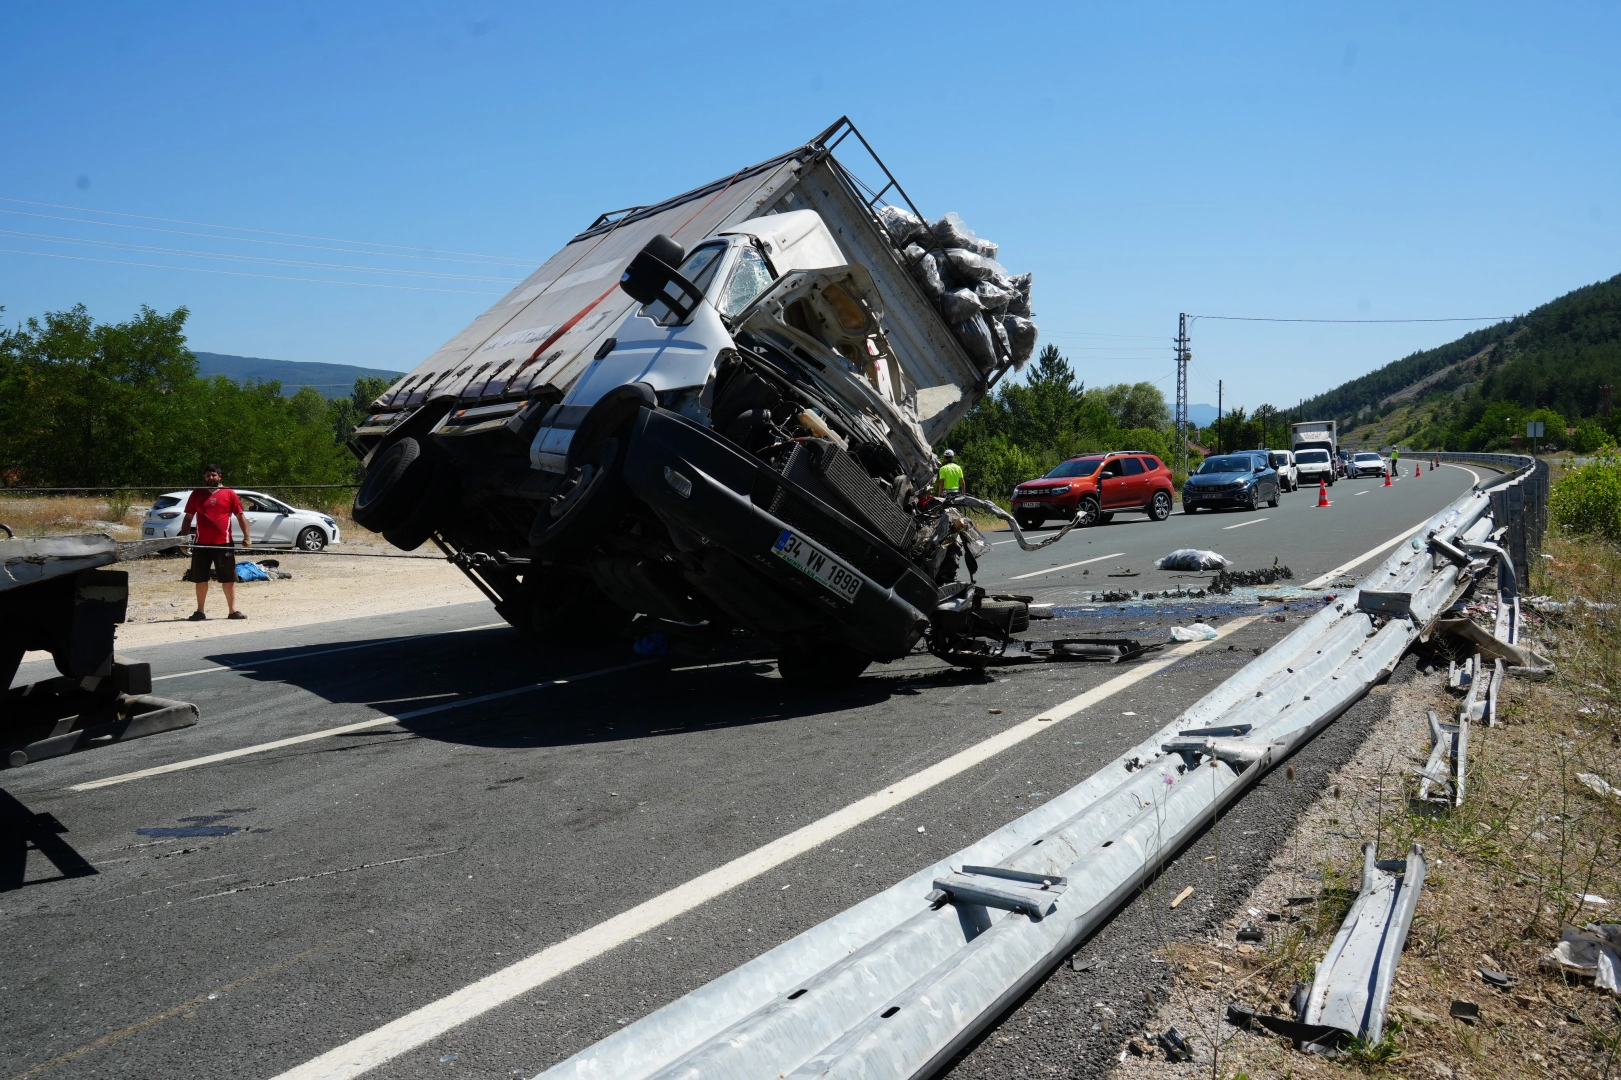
{"points": [[1348, 161]]}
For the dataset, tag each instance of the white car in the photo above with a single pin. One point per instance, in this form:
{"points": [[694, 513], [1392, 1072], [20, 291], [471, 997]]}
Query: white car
{"points": [[1314, 466], [272, 522], [1288, 475], [1366, 463]]}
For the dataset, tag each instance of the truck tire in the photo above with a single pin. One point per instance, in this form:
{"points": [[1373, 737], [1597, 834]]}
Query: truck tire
{"points": [[393, 484], [591, 498], [825, 666]]}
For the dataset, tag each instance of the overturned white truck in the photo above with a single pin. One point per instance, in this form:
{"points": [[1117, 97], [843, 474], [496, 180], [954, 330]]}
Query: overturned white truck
{"points": [[717, 413]]}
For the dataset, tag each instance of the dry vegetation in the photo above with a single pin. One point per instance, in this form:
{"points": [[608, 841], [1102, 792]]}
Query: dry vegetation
{"points": [[119, 515], [1507, 871]]}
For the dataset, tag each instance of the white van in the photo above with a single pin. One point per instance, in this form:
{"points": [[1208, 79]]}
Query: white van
{"points": [[1314, 466], [1284, 462]]}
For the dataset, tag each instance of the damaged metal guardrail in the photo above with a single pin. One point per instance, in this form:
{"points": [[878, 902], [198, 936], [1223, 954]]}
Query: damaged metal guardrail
{"points": [[1350, 992], [898, 984]]}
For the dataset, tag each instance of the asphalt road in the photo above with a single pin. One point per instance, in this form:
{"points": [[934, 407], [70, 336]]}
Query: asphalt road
{"points": [[243, 915]]}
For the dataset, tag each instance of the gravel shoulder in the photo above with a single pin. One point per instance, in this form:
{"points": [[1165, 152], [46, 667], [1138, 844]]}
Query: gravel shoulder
{"points": [[324, 588]]}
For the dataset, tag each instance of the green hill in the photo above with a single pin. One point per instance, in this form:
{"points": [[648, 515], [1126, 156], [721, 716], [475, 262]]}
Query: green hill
{"points": [[1475, 393]]}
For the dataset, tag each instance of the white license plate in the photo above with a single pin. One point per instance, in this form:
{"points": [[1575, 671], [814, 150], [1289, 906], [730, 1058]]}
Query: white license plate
{"points": [[807, 558]]}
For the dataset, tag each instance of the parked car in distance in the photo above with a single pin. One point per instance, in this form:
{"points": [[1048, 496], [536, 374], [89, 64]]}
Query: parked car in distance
{"points": [[272, 522], [1342, 463], [1284, 462], [1365, 463], [1096, 487], [1243, 480], [1314, 466]]}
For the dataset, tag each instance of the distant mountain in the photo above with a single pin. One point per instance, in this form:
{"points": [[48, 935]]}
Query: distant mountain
{"points": [[332, 380], [1202, 415]]}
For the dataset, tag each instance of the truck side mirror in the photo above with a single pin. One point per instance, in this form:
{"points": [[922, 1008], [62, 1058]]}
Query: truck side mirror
{"points": [[652, 275]]}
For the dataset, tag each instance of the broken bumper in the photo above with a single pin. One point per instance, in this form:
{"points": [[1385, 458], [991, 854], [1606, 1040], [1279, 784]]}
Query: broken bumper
{"points": [[780, 559]]}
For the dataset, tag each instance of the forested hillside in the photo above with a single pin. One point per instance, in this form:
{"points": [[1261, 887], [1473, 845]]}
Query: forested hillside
{"points": [[94, 404], [1477, 392]]}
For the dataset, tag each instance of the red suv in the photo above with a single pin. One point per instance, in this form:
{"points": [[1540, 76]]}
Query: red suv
{"points": [[1096, 487]]}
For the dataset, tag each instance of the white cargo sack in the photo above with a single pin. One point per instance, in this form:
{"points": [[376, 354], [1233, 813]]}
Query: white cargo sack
{"points": [[1197, 632], [1192, 559]]}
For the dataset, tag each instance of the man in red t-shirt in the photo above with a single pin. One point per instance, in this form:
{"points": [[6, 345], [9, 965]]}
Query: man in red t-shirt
{"points": [[213, 507]]}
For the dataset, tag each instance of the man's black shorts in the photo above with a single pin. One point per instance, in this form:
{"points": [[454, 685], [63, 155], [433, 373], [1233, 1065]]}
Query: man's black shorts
{"points": [[215, 563]]}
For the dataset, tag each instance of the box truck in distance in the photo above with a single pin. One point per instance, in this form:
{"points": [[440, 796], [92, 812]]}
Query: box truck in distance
{"points": [[1315, 443]]}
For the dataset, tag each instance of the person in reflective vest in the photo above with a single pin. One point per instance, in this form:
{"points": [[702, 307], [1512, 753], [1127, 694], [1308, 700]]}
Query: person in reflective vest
{"points": [[950, 472]]}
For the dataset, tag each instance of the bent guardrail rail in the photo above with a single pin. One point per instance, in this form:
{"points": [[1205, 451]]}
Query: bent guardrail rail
{"points": [[898, 984], [1352, 987]]}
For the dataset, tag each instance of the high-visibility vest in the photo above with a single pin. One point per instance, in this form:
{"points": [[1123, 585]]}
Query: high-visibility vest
{"points": [[951, 476]]}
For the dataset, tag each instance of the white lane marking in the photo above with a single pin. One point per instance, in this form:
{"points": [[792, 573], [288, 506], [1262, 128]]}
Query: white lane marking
{"points": [[1241, 524], [430, 1021], [1471, 472], [1324, 579], [344, 729], [1066, 566], [256, 664], [1363, 492]]}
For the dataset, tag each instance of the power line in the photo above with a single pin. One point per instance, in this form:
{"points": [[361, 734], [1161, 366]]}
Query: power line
{"points": [[262, 232], [188, 253], [241, 273], [252, 240], [1464, 318]]}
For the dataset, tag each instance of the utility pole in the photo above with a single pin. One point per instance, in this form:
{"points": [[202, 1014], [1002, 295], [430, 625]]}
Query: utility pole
{"points": [[1182, 358], [1219, 439]]}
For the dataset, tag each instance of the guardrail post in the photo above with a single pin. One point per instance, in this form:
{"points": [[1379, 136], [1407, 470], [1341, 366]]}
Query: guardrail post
{"points": [[1515, 497]]}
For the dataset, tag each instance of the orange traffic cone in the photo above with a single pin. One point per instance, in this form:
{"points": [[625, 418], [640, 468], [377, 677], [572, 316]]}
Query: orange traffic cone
{"points": [[1322, 493], [1387, 478], [1418, 468]]}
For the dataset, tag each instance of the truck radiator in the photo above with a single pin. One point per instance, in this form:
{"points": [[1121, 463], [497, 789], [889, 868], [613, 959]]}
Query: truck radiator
{"points": [[834, 476]]}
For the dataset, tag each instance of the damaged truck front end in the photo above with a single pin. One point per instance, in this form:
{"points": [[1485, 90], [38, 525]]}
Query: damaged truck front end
{"points": [[742, 447]]}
